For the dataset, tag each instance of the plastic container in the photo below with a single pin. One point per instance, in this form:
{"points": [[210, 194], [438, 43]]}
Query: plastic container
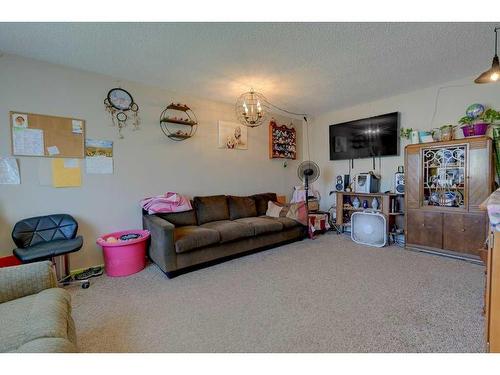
{"points": [[126, 255], [475, 129]]}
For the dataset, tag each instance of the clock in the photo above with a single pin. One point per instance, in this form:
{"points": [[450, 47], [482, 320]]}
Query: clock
{"points": [[120, 99]]}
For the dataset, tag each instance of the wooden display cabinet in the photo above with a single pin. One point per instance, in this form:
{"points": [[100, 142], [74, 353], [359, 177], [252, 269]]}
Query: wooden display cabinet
{"points": [[492, 295], [445, 184], [282, 141]]}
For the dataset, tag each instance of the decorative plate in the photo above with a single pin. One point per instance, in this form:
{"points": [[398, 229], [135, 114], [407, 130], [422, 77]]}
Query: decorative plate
{"points": [[120, 99]]}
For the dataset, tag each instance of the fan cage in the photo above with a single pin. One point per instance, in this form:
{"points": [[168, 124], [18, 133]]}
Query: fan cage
{"points": [[308, 165], [369, 228]]}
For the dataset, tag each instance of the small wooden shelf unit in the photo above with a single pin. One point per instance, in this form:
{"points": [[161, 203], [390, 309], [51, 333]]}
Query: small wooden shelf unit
{"points": [[386, 205]]}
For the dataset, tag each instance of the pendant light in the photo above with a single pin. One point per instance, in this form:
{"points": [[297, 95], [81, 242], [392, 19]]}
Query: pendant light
{"points": [[492, 74], [251, 109]]}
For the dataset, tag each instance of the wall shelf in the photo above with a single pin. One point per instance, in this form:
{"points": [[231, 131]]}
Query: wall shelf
{"points": [[282, 142], [178, 122]]}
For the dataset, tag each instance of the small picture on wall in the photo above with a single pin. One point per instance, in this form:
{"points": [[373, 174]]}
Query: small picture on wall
{"points": [[233, 135]]}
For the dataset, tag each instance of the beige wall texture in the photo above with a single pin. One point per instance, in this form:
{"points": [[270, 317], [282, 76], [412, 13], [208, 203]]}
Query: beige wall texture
{"points": [[146, 163], [422, 109]]}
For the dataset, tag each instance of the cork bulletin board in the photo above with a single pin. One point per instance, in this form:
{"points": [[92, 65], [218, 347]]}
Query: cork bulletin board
{"points": [[47, 136]]}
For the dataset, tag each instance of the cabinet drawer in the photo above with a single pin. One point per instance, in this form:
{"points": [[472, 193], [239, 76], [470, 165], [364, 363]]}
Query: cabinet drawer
{"points": [[425, 228], [464, 233]]}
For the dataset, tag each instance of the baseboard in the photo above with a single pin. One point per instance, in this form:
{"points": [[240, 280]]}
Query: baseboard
{"points": [[451, 255]]}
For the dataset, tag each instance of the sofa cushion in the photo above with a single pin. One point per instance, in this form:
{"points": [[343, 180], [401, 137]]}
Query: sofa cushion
{"points": [[286, 221], [262, 225], [211, 208], [230, 230], [273, 209], [180, 219], [241, 207], [192, 237], [46, 314], [261, 201]]}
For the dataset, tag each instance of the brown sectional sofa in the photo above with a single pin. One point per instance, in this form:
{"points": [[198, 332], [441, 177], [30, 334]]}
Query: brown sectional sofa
{"points": [[217, 229]]}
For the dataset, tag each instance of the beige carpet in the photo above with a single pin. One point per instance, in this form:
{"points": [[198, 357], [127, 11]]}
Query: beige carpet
{"points": [[323, 295]]}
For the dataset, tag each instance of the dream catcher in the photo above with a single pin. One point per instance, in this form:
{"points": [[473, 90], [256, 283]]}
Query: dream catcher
{"points": [[121, 106]]}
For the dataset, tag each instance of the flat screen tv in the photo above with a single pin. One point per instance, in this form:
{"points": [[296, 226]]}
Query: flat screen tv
{"points": [[365, 138]]}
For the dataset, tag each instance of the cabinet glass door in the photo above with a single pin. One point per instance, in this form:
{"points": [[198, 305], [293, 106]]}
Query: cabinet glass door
{"points": [[444, 182]]}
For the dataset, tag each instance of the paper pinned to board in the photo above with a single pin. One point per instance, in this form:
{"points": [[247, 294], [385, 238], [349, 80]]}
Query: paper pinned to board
{"points": [[98, 156], [77, 126], [53, 150], [20, 120], [9, 171], [63, 176], [28, 142]]}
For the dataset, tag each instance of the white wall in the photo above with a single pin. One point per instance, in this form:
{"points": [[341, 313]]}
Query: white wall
{"points": [[146, 162], [417, 111]]}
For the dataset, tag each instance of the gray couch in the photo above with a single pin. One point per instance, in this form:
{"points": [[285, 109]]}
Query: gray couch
{"points": [[217, 229], [35, 315]]}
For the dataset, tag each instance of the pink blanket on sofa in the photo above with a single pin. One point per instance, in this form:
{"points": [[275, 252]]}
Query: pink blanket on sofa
{"points": [[168, 202]]}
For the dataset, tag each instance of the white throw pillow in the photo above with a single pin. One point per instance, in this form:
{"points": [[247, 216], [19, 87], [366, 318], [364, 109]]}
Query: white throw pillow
{"points": [[273, 209]]}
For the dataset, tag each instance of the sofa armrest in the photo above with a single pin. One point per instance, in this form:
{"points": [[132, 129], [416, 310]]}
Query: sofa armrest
{"points": [[162, 243], [26, 279]]}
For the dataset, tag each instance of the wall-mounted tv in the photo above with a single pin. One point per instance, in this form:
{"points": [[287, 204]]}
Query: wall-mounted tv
{"points": [[365, 138]]}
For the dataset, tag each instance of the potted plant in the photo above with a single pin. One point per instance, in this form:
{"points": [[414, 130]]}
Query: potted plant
{"points": [[410, 134], [478, 125], [405, 133], [491, 116], [447, 132]]}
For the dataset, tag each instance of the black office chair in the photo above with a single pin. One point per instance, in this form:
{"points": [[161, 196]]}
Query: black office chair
{"points": [[52, 238]]}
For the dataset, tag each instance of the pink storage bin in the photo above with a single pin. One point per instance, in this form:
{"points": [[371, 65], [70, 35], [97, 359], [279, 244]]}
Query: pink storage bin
{"points": [[124, 257]]}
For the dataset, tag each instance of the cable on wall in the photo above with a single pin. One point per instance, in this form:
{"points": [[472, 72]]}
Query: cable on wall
{"points": [[438, 93]]}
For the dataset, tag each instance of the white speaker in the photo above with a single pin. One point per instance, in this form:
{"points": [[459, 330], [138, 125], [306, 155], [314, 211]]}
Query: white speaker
{"points": [[369, 228]]}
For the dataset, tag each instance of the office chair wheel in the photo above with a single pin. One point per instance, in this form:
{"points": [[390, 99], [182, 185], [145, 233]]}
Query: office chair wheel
{"points": [[86, 285]]}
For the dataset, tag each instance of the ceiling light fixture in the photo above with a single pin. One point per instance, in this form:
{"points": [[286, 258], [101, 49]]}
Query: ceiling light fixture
{"points": [[251, 109], [492, 74]]}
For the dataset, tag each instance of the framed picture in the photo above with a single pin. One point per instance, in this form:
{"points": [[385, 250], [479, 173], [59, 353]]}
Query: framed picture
{"points": [[233, 136]]}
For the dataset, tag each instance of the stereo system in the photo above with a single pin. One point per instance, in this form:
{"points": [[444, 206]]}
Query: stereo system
{"points": [[343, 182], [369, 182], [366, 183], [399, 181]]}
